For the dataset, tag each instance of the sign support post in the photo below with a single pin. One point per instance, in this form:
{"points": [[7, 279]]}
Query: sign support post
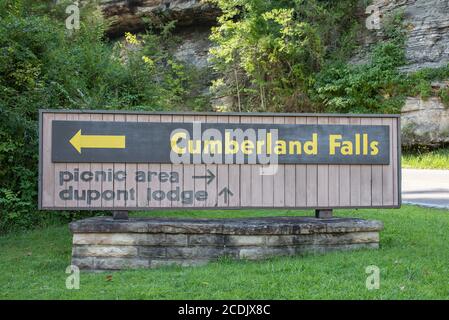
{"points": [[323, 214], [120, 215]]}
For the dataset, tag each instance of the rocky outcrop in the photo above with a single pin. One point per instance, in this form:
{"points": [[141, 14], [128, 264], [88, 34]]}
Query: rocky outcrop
{"points": [[425, 122], [194, 46], [428, 39], [427, 23], [194, 19], [131, 15]]}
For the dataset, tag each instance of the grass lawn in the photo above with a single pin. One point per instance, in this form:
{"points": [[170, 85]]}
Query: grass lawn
{"points": [[413, 262], [437, 159]]}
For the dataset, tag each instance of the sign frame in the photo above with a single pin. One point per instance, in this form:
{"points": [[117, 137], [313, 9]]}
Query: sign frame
{"points": [[255, 114]]}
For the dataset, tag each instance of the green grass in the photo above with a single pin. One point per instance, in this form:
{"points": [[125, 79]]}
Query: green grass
{"points": [[413, 259], [437, 159]]}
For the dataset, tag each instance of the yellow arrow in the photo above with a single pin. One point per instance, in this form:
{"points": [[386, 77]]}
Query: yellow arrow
{"points": [[79, 141]]}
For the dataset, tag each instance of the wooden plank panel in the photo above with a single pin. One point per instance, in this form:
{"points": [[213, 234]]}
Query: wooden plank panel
{"points": [[323, 177], [279, 178], [142, 186], [131, 168], [365, 176], [355, 175], [59, 167], [256, 178], [179, 168], [301, 176], [200, 170], [211, 188], [153, 181], [119, 201], [312, 176], [107, 202], [376, 176], [334, 177], [289, 177], [234, 176], [83, 186], [189, 170], [165, 169], [94, 183], [48, 178], [387, 171], [245, 176], [222, 175], [267, 179], [345, 179], [394, 152]]}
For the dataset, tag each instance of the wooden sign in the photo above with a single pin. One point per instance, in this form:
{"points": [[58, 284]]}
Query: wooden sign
{"points": [[103, 160]]}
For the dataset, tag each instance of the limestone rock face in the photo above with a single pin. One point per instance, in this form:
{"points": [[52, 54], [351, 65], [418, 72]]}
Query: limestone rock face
{"points": [[194, 46], [428, 41], [425, 122], [194, 19], [427, 22], [427, 45], [130, 15]]}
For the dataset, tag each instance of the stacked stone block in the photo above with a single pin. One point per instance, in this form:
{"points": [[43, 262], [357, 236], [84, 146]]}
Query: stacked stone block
{"points": [[105, 244]]}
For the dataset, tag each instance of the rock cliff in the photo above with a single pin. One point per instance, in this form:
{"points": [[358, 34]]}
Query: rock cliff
{"points": [[424, 122], [427, 45], [130, 15], [427, 23]]}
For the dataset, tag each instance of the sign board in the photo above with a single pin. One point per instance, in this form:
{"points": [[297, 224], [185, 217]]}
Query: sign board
{"points": [[103, 160]]}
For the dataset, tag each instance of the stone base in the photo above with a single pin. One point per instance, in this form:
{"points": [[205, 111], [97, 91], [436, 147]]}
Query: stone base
{"points": [[102, 243]]}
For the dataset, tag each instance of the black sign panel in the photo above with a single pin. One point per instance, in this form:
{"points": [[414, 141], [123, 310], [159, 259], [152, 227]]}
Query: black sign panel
{"points": [[153, 142]]}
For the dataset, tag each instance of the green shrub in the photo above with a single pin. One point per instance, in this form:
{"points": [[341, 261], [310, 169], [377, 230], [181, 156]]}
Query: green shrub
{"points": [[372, 87], [269, 51], [42, 65], [420, 83], [293, 55], [366, 88]]}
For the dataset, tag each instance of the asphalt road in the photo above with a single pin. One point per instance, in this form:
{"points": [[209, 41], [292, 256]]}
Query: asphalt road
{"points": [[426, 187]]}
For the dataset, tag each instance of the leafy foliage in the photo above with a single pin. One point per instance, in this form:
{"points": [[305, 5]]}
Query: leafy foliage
{"points": [[295, 55], [270, 51], [367, 88], [43, 65], [420, 83]]}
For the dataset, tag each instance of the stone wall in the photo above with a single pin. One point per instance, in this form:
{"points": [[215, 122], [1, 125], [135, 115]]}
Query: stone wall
{"points": [[104, 244]]}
